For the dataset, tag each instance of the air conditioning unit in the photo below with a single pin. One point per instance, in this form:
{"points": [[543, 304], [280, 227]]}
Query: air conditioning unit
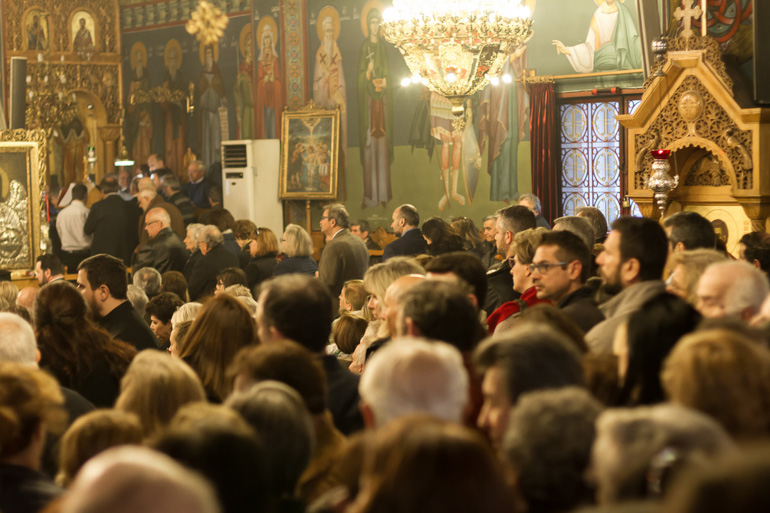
{"points": [[250, 182]]}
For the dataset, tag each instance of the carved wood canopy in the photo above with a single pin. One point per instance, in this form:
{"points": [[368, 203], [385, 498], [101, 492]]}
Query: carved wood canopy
{"points": [[720, 151]]}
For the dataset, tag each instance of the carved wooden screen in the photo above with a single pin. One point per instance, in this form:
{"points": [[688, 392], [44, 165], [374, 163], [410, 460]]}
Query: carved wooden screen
{"points": [[592, 149]]}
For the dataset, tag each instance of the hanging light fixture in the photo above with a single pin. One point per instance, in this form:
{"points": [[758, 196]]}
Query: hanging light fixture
{"points": [[660, 181], [456, 47]]}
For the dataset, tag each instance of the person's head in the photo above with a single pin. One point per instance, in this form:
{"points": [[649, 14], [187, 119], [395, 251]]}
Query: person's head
{"points": [[145, 197], [175, 282], [31, 404], [154, 387], [222, 219], [645, 341], [335, 217], [378, 278], [466, 229], [137, 298], [244, 230], [228, 277], [552, 316], [221, 328], [635, 251], [352, 296], [8, 292], [521, 253], [279, 416], [297, 307], [636, 448], [360, 229], [124, 178], [437, 233], [597, 219], [560, 266], [405, 217], [109, 185], [284, 361], [79, 192], [409, 376], [510, 221], [149, 280], [209, 238], [490, 228], [463, 265], [420, 464], [135, 479], [170, 183], [191, 239], [296, 242], [686, 269], [155, 162], [265, 243], [519, 361], [215, 195], [733, 289], [689, 230], [156, 220], [91, 434], [17, 340], [723, 374], [548, 446], [160, 309], [532, 202], [348, 331], [102, 278], [754, 248], [392, 305], [580, 226], [47, 267], [196, 171]]}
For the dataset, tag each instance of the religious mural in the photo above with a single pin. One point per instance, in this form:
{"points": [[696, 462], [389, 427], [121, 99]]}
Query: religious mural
{"points": [[270, 83], [174, 108], [36, 30], [82, 30]]}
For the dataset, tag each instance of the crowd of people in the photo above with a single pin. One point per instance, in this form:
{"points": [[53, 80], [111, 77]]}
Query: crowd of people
{"points": [[513, 368]]}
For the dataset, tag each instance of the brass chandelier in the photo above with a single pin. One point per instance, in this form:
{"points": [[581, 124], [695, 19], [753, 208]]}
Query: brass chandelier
{"points": [[456, 47]]}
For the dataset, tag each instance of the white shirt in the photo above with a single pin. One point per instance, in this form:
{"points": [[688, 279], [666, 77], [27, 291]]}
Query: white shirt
{"points": [[69, 224]]}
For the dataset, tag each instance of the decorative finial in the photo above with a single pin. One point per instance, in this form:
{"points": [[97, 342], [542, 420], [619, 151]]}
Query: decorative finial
{"points": [[207, 23], [688, 14]]}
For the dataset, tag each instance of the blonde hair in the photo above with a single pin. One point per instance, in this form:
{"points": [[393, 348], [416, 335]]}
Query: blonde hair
{"points": [[91, 434], [725, 375], [266, 241], [155, 386], [380, 276], [525, 243], [694, 262], [9, 291], [297, 242]]}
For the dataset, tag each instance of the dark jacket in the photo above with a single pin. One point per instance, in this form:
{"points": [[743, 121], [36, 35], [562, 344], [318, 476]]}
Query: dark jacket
{"points": [[176, 219], [344, 258], [581, 308], [189, 266], [164, 252], [23, 490], [198, 193], [108, 223], [259, 269], [185, 206], [410, 243], [231, 244], [342, 390], [499, 287], [203, 280], [370, 244], [124, 323], [296, 265]]}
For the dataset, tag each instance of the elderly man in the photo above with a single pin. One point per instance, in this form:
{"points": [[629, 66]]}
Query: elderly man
{"points": [[103, 282], [413, 376], [216, 258], [149, 199], [532, 202], [732, 290], [197, 189], [406, 223], [165, 251], [345, 256]]}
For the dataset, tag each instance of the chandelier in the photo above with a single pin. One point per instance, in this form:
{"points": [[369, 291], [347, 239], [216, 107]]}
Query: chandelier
{"points": [[456, 47]]}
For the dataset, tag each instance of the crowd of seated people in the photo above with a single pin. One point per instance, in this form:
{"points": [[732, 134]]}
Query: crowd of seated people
{"points": [[518, 369]]}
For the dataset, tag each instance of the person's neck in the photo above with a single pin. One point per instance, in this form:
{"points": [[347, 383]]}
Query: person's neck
{"points": [[30, 457], [334, 232], [109, 305], [57, 277], [574, 286]]}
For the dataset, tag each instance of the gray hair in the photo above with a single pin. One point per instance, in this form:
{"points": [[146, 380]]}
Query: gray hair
{"points": [[211, 236], [536, 205], [149, 280], [694, 262], [411, 375], [146, 194], [748, 286], [137, 298], [339, 213], [131, 479], [195, 229], [17, 340], [161, 215], [637, 435], [172, 181], [580, 226], [186, 312], [297, 242], [238, 290], [597, 219]]}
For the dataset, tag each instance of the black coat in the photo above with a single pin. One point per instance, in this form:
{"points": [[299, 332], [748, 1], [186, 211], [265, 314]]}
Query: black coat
{"points": [[499, 287], [124, 323], [410, 243], [24, 490], [342, 387], [581, 308], [203, 280], [259, 269], [108, 223], [164, 252]]}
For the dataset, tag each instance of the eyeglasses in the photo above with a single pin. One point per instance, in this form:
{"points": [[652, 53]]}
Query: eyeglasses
{"points": [[543, 267]]}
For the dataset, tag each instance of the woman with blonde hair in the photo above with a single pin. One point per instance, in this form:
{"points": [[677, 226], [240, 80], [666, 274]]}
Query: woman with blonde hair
{"points": [[297, 245], [264, 250], [91, 434], [724, 375], [9, 292], [155, 387], [222, 327]]}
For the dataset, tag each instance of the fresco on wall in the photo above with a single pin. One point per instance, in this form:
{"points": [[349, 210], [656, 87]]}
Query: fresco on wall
{"points": [[138, 112], [36, 33], [174, 107], [82, 32], [270, 82]]}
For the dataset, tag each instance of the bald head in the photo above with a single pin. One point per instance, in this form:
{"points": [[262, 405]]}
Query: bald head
{"points": [[159, 215], [731, 289], [393, 296]]}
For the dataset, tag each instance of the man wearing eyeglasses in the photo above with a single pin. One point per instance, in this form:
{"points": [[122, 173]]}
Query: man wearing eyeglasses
{"points": [[560, 268], [165, 251]]}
